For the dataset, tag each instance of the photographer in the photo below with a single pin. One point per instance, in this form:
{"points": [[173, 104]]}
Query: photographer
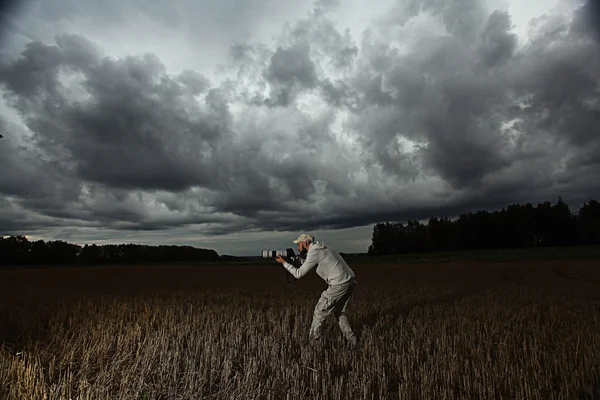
{"points": [[339, 277]]}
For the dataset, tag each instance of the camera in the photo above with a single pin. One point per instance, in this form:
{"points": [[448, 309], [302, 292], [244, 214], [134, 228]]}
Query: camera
{"points": [[289, 252], [290, 257]]}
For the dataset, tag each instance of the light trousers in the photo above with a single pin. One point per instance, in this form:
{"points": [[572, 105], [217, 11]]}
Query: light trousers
{"points": [[334, 301]]}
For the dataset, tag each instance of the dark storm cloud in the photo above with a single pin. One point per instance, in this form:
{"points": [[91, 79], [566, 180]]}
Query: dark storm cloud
{"points": [[497, 42], [15, 219], [440, 122], [457, 99], [18, 166], [587, 20], [7, 8], [138, 129], [290, 71], [135, 129], [41, 184]]}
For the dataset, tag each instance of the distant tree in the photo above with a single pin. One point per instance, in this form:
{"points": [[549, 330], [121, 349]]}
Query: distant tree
{"points": [[514, 226], [90, 254], [416, 237], [17, 250], [519, 226], [442, 235], [387, 238], [589, 222], [564, 224]]}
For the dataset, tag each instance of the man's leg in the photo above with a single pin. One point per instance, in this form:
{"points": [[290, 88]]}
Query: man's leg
{"points": [[339, 313], [322, 311]]}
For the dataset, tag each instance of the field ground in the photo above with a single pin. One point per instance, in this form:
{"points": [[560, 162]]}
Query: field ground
{"points": [[428, 330], [541, 253]]}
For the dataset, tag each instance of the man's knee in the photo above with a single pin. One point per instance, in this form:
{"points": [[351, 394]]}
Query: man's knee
{"points": [[324, 307]]}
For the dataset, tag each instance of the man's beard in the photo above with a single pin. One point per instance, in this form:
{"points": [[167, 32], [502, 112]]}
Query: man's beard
{"points": [[303, 251]]}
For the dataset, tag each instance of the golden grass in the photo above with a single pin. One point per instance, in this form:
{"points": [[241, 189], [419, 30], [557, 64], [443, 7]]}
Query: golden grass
{"points": [[447, 331]]}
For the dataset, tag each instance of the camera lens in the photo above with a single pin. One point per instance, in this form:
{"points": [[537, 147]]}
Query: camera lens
{"points": [[289, 252]]}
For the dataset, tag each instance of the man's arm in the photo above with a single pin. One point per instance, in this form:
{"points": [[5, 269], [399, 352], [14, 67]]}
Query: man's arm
{"points": [[309, 263]]}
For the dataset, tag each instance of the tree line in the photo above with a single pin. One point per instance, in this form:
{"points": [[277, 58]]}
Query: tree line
{"points": [[514, 226], [18, 250]]}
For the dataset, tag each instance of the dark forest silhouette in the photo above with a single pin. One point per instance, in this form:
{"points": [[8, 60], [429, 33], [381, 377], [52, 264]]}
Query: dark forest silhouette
{"points": [[17, 250], [515, 226]]}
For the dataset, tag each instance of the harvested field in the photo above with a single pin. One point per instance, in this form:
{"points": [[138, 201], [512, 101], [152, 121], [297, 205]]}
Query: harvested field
{"points": [[427, 331]]}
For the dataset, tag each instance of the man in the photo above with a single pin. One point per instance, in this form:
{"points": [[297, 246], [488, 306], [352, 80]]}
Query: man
{"points": [[339, 277]]}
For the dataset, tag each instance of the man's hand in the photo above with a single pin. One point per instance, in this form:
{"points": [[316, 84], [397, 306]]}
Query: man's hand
{"points": [[280, 259]]}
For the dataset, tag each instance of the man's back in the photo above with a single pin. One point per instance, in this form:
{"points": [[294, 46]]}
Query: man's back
{"points": [[331, 266]]}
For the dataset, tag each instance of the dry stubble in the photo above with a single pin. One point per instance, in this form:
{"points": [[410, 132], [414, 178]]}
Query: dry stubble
{"points": [[240, 332]]}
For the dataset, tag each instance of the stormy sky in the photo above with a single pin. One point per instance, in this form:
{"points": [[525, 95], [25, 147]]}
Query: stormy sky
{"points": [[235, 125]]}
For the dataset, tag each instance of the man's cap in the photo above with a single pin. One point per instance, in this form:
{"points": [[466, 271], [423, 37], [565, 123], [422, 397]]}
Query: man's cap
{"points": [[304, 237]]}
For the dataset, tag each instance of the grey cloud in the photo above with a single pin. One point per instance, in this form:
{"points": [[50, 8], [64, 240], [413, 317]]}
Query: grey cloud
{"points": [[462, 19], [29, 175], [435, 99], [305, 52], [17, 220], [135, 131], [370, 91], [557, 85], [586, 21], [456, 99], [77, 51], [292, 66], [339, 94], [220, 159], [497, 42], [290, 72], [17, 164], [325, 6], [26, 76], [234, 17], [332, 48], [463, 130], [194, 82], [140, 129]]}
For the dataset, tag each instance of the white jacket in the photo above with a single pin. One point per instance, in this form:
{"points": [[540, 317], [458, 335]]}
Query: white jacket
{"points": [[331, 266]]}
